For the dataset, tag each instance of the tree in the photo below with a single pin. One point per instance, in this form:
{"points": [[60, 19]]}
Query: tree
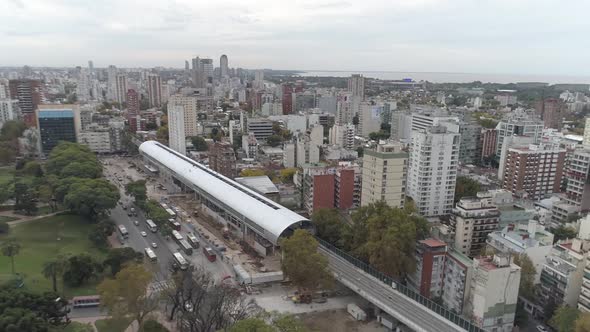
{"points": [[69, 159], [287, 174], [32, 168], [303, 264], [487, 122], [21, 310], [11, 249], [197, 303], [127, 294], [11, 130], [466, 187], [79, 269], [199, 143], [583, 323], [24, 198], [563, 232], [119, 257], [274, 140], [138, 190], [328, 224], [527, 275], [378, 232], [4, 227], [162, 133], [7, 155], [252, 172], [157, 213], [54, 269], [564, 319], [91, 197], [151, 325], [216, 134]]}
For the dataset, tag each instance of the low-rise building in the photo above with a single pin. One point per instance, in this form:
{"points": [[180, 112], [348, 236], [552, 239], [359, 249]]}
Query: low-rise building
{"points": [[472, 219], [430, 265]]}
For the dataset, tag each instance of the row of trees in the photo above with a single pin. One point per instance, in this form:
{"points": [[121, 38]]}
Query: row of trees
{"points": [[21, 310], [569, 319], [374, 234]]}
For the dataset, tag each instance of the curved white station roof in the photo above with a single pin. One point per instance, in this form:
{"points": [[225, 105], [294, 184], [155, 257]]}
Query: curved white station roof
{"points": [[270, 216]]}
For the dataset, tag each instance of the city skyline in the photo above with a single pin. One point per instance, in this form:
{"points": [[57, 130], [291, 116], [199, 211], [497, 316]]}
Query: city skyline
{"points": [[422, 36]]}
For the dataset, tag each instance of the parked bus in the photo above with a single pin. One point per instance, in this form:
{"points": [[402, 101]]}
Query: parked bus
{"points": [[185, 247], [175, 225], [171, 213], [85, 301], [209, 254], [151, 225], [177, 237], [192, 240], [151, 255], [181, 261], [123, 231]]}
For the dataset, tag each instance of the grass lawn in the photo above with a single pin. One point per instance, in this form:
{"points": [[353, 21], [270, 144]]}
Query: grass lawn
{"points": [[39, 244], [6, 174], [7, 218], [112, 324], [74, 327]]}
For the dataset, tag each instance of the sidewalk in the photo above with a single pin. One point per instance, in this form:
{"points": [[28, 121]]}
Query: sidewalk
{"points": [[23, 219], [158, 316]]}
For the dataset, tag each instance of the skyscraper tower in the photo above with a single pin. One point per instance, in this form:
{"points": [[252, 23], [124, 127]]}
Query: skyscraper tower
{"points": [[121, 88], [356, 86], [154, 90], [197, 74], [90, 66], [223, 66]]}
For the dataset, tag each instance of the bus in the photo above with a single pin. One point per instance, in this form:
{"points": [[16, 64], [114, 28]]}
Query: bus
{"points": [[177, 236], [175, 225], [85, 301], [185, 247], [151, 225], [171, 213], [164, 206], [209, 254], [123, 231], [193, 241], [181, 261], [151, 255]]}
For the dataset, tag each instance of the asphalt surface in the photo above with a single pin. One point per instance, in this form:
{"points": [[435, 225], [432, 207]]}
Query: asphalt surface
{"points": [[386, 298], [165, 247]]}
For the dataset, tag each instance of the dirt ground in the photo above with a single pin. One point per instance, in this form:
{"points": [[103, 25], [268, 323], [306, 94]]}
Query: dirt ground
{"points": [[338, 321]]}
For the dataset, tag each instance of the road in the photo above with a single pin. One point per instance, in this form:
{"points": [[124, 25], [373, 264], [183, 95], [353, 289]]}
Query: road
{"points": [[165, 248], [407, 311]]}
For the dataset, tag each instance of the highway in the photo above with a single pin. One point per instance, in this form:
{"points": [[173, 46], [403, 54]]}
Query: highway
{"points": [[407, 311]]}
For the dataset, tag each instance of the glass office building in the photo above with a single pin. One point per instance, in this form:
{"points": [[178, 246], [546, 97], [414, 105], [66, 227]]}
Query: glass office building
{"points": [[56, 125]]}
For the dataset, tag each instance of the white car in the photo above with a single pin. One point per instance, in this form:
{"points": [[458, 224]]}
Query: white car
{"points": [[144, 234], [154, 245], [136, 222], [542, 328]]}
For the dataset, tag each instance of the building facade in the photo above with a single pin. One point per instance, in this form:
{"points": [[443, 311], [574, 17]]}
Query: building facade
{"points": [[356, 86], [57, 123], [176, 128], [472, 219], [30, 94], [384, 175], [154, 90], [430, 266], [222, 159]]}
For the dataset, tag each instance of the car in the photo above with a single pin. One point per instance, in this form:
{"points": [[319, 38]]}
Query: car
{"points": [[143, 233], [188, 307], [154, 245], [129, 214], [542, 328], [136, 222]]}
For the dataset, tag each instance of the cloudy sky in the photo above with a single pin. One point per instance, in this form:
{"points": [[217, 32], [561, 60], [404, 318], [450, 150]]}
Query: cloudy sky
{"points": [[481, 36]]}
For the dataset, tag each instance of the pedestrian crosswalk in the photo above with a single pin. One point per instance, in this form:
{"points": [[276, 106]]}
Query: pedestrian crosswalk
{"points": [[159, 286]]}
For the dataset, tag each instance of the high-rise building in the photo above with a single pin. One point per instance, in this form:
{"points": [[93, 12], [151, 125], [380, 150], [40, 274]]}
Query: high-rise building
{"points": [[176, 129], [356, 86], [472, 219], [494, 293], [30, 95], [222, 159], [259, 79], [535, 171], [369, 118], [9, 110], [287, 98], [552, 111], [197, 73], [223, 66], [133, 110], [488, 142], [121, 88], [384, 175], [207, 70], [330, 187], [586, 141], [342, 135], [57, 123], [261, 128], [154, 90], [430, 264], [432, 173], [457, 281], [112, 83], [469, 147], [519, 123], [91, 66], [189, 104]]}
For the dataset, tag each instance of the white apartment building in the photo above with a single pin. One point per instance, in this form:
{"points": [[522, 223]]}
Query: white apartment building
{"points": [[189, 105], [369, 119], [384, 175], [307, 152], [494, 293], [121, 88], [176, 128], [356, 85], [98, 139], [519, 122], [342, 136], [289, 155], [586, 141], [457, 282], [250, 145], [154, 89], [432, 173], [261, 128], [426, 117], [472, 219], [9, 110]]}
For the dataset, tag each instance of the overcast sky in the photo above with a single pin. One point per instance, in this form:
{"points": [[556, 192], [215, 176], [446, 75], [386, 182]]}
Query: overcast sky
{"points": [[481, 36]]}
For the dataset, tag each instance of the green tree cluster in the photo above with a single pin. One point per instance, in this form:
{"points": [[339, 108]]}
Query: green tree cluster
{"points": [[273, 322], [527, 275], [199, 143], [137, 189], [69, 159], [466, 187], [9, 133], [563, 232], [303, 264], [379, 135], [21, 310], [564, 319], [92, 198]]}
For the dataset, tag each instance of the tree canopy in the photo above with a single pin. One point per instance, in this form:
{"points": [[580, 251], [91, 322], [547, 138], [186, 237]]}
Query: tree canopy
{"points": [[199, 143], [328, 224], [252, 172], [527, 275], [583, 323], [466, 187], [138, 190], [69, 159], [303, 264], [564, 319], [10, 249], [274, 140], [563, 232], [21, 310], [119, 257], [91, 197], [127, 293]]}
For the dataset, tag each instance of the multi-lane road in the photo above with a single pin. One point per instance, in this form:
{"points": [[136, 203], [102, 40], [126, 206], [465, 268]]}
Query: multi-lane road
{"points": [[165, 247]]}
